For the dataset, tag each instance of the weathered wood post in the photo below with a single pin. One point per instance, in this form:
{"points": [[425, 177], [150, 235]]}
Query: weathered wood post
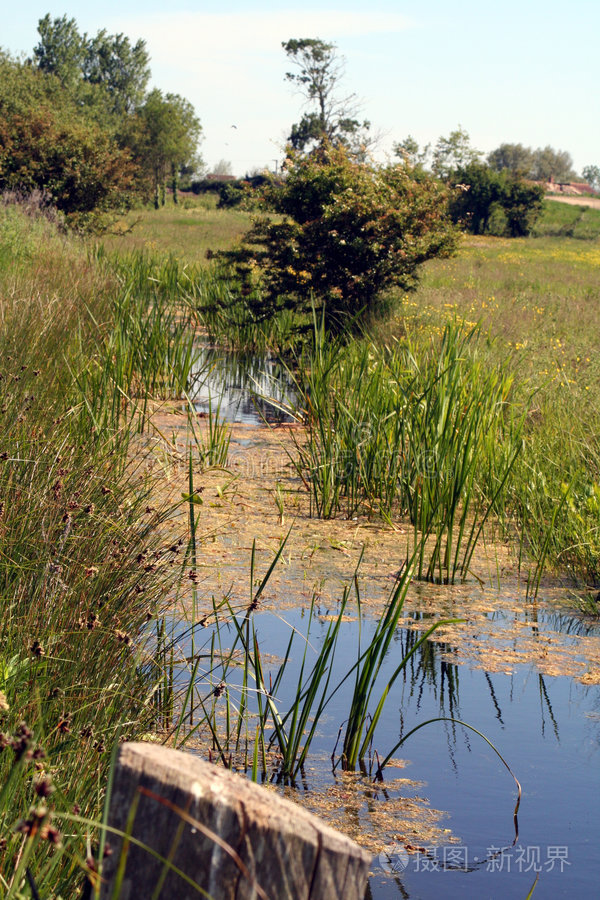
{"points": [[231, 838]]}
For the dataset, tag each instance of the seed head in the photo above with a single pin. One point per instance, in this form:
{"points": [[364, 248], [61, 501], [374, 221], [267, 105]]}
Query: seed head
{"points": [[64, 724], [51, 834], [37, 650], [44, 787]]}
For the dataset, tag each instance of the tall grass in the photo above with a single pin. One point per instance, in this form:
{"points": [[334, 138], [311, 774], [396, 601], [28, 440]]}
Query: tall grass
{"points": [[209, 295], [267, 723], [426, 431], [538, 298], [555, 493], [461, 444], [84, 563]]}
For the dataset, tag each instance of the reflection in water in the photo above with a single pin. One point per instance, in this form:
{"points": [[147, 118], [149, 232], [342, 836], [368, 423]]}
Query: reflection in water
{"points": [[245, 389], [547, 727], [488, 678], [523, 714], [545, 701]]}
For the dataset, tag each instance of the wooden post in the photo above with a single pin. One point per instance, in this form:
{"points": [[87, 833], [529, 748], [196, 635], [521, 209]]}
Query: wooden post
{"points": [[230, 837]]}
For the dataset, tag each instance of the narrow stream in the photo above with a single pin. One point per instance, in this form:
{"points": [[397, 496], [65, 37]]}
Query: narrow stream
{"points": [[547, 727], [235, 387]]}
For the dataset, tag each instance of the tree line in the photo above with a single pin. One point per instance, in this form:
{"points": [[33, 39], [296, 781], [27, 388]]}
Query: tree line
{"points": [[78, 122], [347, 229]]}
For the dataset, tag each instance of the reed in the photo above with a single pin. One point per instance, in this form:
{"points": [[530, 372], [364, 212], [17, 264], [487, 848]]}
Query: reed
{"points": [[363, 717], [269, 724], [427, 431], [461, 444]]}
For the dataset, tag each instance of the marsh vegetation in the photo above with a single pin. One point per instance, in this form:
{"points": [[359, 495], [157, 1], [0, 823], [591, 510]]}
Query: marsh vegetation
{"points": [[470, 415]]}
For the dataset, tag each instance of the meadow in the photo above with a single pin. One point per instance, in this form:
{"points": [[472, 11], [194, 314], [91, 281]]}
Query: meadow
{"points": [[473, 409], [187, 230]]}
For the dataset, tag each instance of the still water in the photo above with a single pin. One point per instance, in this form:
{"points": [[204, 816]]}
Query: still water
{"points": [[547, 727], [243, 389]]}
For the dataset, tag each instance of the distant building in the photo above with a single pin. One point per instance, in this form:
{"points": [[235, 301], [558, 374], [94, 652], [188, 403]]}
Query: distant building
{"points": [[572, 188]]}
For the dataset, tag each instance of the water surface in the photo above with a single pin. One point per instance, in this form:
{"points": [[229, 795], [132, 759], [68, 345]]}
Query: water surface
{"points": [[500, 671]]}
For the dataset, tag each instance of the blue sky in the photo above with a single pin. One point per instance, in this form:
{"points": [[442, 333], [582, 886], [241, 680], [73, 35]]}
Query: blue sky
{"points": [[524, 71]]}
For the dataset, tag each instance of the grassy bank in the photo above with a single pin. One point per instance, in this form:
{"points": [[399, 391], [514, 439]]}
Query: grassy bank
{"points": [[539, 299], [568, 220], [85, 564]]}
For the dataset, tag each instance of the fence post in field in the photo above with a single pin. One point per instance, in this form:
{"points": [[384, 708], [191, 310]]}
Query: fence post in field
{"points": [[227, 836]]}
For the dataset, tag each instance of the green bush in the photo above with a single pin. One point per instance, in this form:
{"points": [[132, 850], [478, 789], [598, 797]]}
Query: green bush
{"points": [[486, 201], [49, 143], [346, 232]]}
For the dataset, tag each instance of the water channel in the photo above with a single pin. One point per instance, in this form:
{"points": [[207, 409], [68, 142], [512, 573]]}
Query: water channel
{"points": [[517, 671]]}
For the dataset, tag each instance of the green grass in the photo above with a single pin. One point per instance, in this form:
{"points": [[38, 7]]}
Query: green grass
{"points": [[539, 298], [186, 231], [84, 563], [419, 429], [568, 220]]}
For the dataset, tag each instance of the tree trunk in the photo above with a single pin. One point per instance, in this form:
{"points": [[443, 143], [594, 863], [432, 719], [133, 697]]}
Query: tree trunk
{"points": [[234, 839], [174, 183]]}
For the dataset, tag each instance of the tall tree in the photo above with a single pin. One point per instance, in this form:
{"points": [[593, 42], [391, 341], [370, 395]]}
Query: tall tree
{"points": [[222, 167], [61, 49], [514, 157], [409, 151], [541, 164], [117, 70], [120, 68], [333, 118], [164, 137], [453, 152], [550, 164], [592, 176]]}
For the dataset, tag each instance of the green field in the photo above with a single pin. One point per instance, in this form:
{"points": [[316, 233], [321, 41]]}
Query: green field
{"points": [[187, 230]]}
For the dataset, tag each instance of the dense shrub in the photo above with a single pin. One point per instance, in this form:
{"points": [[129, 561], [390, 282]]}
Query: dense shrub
{"points": [[345, 233], [48, 144], [500, 202]]}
